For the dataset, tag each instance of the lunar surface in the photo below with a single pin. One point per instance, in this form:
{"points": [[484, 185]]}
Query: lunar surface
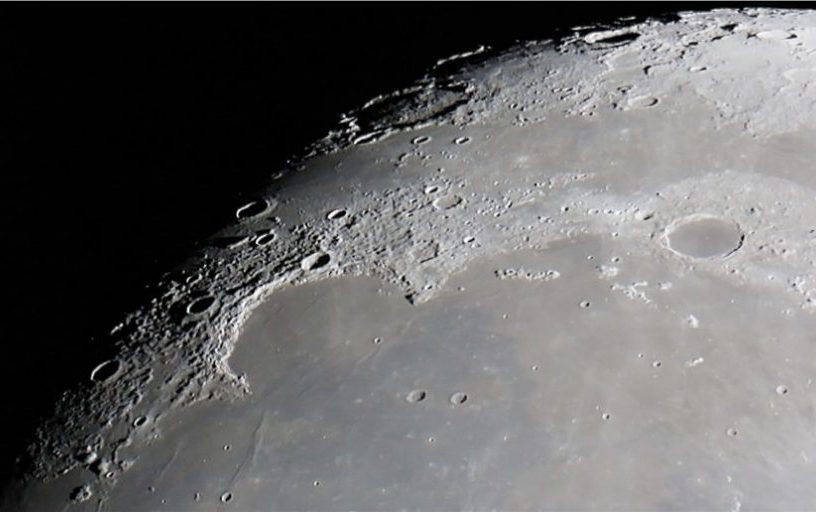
{"points": [[567, 275]]}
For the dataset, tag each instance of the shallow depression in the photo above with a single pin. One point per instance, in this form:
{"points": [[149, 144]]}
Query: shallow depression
{"points": [[704, 236], [315, 261]]}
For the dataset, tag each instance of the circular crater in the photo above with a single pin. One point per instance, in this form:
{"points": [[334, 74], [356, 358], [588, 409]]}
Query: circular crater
{"points": [[265, 239], [200, 305], [611, 37], [704, 236], [252, 209], [105, 371], [447, 202], [458, 398], [315, 261], [416, 396], [643, 102], [336, 214]]}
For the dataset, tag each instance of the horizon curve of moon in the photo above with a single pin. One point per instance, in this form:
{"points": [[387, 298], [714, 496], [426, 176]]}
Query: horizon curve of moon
{"points": [[574, 274]]}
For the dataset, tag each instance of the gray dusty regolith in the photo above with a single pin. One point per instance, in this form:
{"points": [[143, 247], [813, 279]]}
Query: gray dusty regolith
{"points": [[566, 275]]}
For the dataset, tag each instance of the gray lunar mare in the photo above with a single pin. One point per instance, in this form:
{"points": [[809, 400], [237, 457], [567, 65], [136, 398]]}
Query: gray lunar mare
{"points": [[570, 275]]}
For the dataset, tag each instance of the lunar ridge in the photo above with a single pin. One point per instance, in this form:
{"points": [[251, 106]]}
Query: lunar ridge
{"points": [[652, 182]]}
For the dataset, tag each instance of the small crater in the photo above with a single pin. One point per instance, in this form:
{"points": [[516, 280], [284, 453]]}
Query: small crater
{"points": [[315, 261], [377, 340], [226, 497], [643, 102], [461, 140], [781, 390], [140, 421], [731, 432], [416, 396], [265, 239], [422, 139], [657, 364], [447, 202], [704, 236], [606, 416], [433, 189], [252, 209], [336, 214], [316, 483], [611, 37], [585, 304], [458, 398], [775, 35], [200, 305], [105, 371]]}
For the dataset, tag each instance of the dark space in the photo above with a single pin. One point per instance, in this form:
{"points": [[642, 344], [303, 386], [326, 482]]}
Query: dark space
{"points": [[131, 133]]}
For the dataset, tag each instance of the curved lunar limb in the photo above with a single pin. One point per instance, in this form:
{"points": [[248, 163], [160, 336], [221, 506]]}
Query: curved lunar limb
{"points": [[567, 275]]}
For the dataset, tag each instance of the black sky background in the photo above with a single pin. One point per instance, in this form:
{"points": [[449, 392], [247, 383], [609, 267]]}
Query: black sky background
{"points": [[130, 132]]}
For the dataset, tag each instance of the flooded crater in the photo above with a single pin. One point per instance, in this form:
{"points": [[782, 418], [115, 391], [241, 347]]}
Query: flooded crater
{"points": [[704, 236]]}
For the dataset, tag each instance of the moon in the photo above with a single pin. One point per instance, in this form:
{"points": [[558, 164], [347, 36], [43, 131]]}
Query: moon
{"points": [[572, 274]]}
